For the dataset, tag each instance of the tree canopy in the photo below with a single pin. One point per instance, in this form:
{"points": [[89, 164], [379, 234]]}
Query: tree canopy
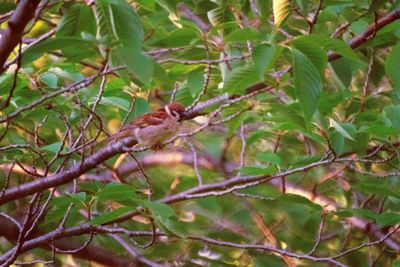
{"points": [[287, 153]]}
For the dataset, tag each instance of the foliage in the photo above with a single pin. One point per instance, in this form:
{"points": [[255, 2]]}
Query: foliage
{"points": [[288, 155]]}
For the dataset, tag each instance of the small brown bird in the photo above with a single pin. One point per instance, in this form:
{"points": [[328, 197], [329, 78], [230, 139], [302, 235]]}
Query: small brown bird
{"points": [[155, 127]]}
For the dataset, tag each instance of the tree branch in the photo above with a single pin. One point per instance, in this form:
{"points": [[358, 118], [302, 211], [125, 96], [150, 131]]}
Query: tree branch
{"points": [[10, 232], [13, 33], [370, 31], [67, 176]]}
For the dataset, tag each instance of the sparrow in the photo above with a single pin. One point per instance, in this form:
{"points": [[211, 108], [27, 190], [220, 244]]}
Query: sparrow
{"points": [[153, 128]]}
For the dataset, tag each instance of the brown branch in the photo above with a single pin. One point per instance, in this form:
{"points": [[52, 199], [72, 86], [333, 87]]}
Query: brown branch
{"points": [[167, 158], [315, 17], [15, 78], [10, 230], [69, 175], [132, 251], [370, 31], [97, 158], [190, 193], [99, 229], [364, 92], [196, 19], [12, 35]]}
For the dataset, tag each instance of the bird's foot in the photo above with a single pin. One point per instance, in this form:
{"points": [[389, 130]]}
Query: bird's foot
{"points": [[157, 146]]}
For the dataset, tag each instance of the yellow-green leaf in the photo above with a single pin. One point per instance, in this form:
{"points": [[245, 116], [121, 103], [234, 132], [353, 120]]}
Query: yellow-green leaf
{"points": [[281, 9]]}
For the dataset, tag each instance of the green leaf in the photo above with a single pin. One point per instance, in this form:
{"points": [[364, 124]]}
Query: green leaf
{"points": [[166, 216], [179, 37], [77, 18], [376, 188], [380, 130], [217, 16], [120, 24], [313, 51], [54, 147], [77, 199], [138, 63], [122, 28], [92, 187], [116, 191], [159, 209], [147, 4], [56, 214], [328, 43], [343, 71], [195, 80], [303, 5], [388, 218], [141, 106], [392, 66], [68, 45], [392, 114], [167, 5], [307, 82], [242, 35], [269, 157], [364, 213], [50, 79], [337, 141], [344, 213], [257, 170], [240, 78], [81, 196], [264, 56], [340, 129], [109, 216], [233, 124], [6, 6], [375, 4], [296, 199], [289, 113], [117, 102]]}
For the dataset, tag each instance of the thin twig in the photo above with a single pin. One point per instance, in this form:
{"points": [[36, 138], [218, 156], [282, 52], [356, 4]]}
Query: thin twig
{"points": [[15, 78], [364, 91], [195, 162], [319, 235]]}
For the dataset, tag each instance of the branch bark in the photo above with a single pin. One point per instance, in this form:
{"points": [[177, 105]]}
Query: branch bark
{"points": [[91, 253], [67, 176], [12, 35], [370, 31]]}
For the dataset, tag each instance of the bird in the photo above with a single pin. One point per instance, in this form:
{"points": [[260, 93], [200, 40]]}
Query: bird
{"points": [[153, 128]]}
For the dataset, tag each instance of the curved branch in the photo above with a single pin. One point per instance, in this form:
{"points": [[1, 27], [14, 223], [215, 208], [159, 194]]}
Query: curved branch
{"points": [[12, 35], [167, 158], [97, 158], [69, 175], [370, 31], [10, 232], [224, 187]]}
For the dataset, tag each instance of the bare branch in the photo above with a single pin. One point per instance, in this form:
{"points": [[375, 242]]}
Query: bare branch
{"points": [[196, 19], [12, 35], [370, 31]]}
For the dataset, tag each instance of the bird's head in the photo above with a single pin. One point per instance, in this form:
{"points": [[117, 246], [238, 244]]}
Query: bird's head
{"points": [[175, 109]]}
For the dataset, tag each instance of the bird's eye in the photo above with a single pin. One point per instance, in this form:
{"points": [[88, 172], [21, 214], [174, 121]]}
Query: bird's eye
{"points": [[176, 114]]}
